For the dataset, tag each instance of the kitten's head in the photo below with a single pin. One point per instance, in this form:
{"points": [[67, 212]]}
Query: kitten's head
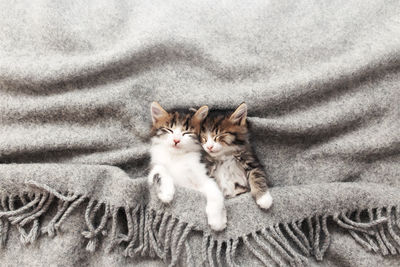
{"points": [[177, 131], [224, 134]]}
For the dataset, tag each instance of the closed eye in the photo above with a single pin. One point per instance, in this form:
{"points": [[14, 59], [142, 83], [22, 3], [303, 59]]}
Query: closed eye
{"points": [[166, 130], [185, 133], [219, 137]]}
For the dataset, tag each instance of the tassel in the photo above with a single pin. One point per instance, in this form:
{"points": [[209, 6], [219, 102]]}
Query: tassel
{"points": [[182, 239], [114, 240], [301, 235], [267, 249], [210, 252], [228, 252], [129, 252], [189, 255], [147, 226], [141, 230], [327, 240], [205, 241], [297, 259], [167, 240], [392, 233], [317, 252], [235, 243], [296, 240], [272, 238], [93, 232], [174, 242], [377, 236], [218, 253], [255, 252], [70, 209], [386, 242]]}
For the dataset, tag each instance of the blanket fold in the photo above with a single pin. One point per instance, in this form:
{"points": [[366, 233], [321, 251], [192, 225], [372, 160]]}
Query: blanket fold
{"points": [[321, 81], [146, 227]]}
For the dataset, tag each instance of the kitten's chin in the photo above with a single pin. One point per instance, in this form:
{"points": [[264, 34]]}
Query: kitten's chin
{"points": [[215, 154], [182, 149], [221, 153], [175, 149]]}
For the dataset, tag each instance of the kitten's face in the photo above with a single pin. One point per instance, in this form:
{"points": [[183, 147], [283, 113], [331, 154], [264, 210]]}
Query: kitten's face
{"points": [[176, 131], [223, 135]]}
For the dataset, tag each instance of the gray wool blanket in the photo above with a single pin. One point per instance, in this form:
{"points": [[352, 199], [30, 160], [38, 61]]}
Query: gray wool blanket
{"points": [[322, 83]]}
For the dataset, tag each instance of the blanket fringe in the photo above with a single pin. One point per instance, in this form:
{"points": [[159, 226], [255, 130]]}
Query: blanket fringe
{"points": [[290, 244], [156, 234], [376, 230], [142, 231]]}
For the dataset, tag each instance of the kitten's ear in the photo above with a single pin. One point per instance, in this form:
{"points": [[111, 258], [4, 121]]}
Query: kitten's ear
{"points": [[201, 113], [240, 115], [157, 112]]}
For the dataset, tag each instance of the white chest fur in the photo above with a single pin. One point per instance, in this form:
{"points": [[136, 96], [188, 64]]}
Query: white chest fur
{"points": [[185, 168], [228, 173]]}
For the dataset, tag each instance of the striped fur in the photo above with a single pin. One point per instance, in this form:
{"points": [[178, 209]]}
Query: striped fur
{"points": [[227, 134], [176, 160]]}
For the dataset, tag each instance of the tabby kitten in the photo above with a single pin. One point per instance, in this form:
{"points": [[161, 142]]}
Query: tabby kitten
{"points": [[230, 158], [176, 160]]}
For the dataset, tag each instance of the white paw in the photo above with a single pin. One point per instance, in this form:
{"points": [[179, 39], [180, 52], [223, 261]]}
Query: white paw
{"points": [[166, 195], [154, 175], [150, 177], [265, 201], [218, 221]]}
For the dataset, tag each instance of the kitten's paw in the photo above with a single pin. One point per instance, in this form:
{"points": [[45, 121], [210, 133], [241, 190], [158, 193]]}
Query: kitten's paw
{"points": [[265, 201], [154, 179], [150, 177], [218, 222], [154, 175], [166, 195]]}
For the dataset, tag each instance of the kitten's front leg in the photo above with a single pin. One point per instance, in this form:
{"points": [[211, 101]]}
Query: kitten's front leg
{"points": [[259, 188], [164, 183], [215, 208]]}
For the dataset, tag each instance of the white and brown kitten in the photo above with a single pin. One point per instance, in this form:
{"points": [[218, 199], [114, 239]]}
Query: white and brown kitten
{"points": [[230, 158], [176, 160]]}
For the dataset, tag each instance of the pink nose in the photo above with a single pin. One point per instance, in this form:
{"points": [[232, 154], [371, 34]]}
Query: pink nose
{"points": [[176, 141], [210, 147]]}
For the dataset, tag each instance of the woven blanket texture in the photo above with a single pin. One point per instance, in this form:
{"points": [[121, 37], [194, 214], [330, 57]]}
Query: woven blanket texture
{"points": [[322, 83]]}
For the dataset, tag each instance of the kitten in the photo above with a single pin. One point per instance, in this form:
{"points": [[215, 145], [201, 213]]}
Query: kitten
{"points": [[231, 160], [176, 160]]}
